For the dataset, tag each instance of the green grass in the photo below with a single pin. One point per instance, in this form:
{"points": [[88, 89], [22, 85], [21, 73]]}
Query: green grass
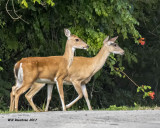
{"points": [[41, 108], [7, 111], [137, 107], [111, 108]]}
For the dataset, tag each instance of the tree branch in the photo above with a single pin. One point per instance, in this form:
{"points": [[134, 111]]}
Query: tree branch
{"points": [[20, 17], [9, 12], [14, 18]]}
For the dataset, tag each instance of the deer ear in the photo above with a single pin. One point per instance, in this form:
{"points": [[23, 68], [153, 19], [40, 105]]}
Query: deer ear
{"points": [[114, 39], [109, 42], [67, 32], [105, 40]]}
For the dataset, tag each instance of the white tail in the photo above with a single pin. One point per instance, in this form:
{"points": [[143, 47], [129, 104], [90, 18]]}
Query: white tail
{"points": [[44, 70], [80, 73]]}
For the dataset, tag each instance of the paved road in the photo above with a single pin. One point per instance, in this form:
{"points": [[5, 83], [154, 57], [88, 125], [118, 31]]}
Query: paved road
{"points": [[82, 119]]}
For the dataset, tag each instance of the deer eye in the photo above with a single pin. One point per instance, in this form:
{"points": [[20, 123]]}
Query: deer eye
{"points": [[114, 45], [77, 40]]}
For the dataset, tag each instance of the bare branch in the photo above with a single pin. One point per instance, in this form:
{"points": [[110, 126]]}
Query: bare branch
{"points": [[9, 12], [20, 17], [155, 27], [14, 10], [153, 33], [14, 18]]}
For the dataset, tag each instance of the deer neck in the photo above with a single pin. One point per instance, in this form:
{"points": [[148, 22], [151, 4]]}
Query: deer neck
{"points": [[100, 59], [69, 54]]}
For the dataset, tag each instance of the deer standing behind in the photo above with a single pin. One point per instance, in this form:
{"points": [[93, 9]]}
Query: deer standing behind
{"points": [[80, 73], [52, 69]]}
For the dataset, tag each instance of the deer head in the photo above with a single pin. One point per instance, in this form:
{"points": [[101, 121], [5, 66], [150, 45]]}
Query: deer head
{"points": [[112, 46], [74, 41]]}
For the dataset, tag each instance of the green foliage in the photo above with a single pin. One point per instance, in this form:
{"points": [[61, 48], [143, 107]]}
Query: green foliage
{"points": [[2, 91], [4, 94], [24, 3], [135, 107], [92, 21], [144, 89], [114, 107], [1, 67], [2, 23]]}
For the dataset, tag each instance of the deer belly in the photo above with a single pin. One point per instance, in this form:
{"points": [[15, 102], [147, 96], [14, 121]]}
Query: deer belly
{"points": [[67, 83], [46, 81]]}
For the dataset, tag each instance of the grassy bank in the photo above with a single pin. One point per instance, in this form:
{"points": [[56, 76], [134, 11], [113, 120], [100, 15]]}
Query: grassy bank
{"points": [[111, 108], [114, 107]]}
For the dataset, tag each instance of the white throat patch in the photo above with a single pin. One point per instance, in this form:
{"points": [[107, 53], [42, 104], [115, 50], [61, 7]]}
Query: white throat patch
{"points": [[116, 52], [73, 49]]}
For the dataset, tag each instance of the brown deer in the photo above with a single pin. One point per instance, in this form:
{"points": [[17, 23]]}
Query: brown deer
{"points": [[52, 69], [80, 73]]}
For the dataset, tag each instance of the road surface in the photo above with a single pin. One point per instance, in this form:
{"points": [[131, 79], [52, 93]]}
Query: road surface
{"points": [[82, 119]]}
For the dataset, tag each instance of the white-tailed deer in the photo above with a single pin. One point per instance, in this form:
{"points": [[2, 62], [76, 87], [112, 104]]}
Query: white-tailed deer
{"points": [[80, 73], [52, 69]]}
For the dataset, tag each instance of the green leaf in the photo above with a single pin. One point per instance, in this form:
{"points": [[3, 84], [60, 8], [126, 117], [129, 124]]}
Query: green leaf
{"points": [[138, 89], [1, 68], [145, 87], [24, 3], [12, 44], [97, 74], [38, 1], [50, 2]]}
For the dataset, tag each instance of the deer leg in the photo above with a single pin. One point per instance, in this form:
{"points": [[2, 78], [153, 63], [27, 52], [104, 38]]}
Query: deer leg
{"points": [[85, 93], [12, 99], [77, 87], [49, 95], [59, 84], [20, 91], [31, 93]]}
